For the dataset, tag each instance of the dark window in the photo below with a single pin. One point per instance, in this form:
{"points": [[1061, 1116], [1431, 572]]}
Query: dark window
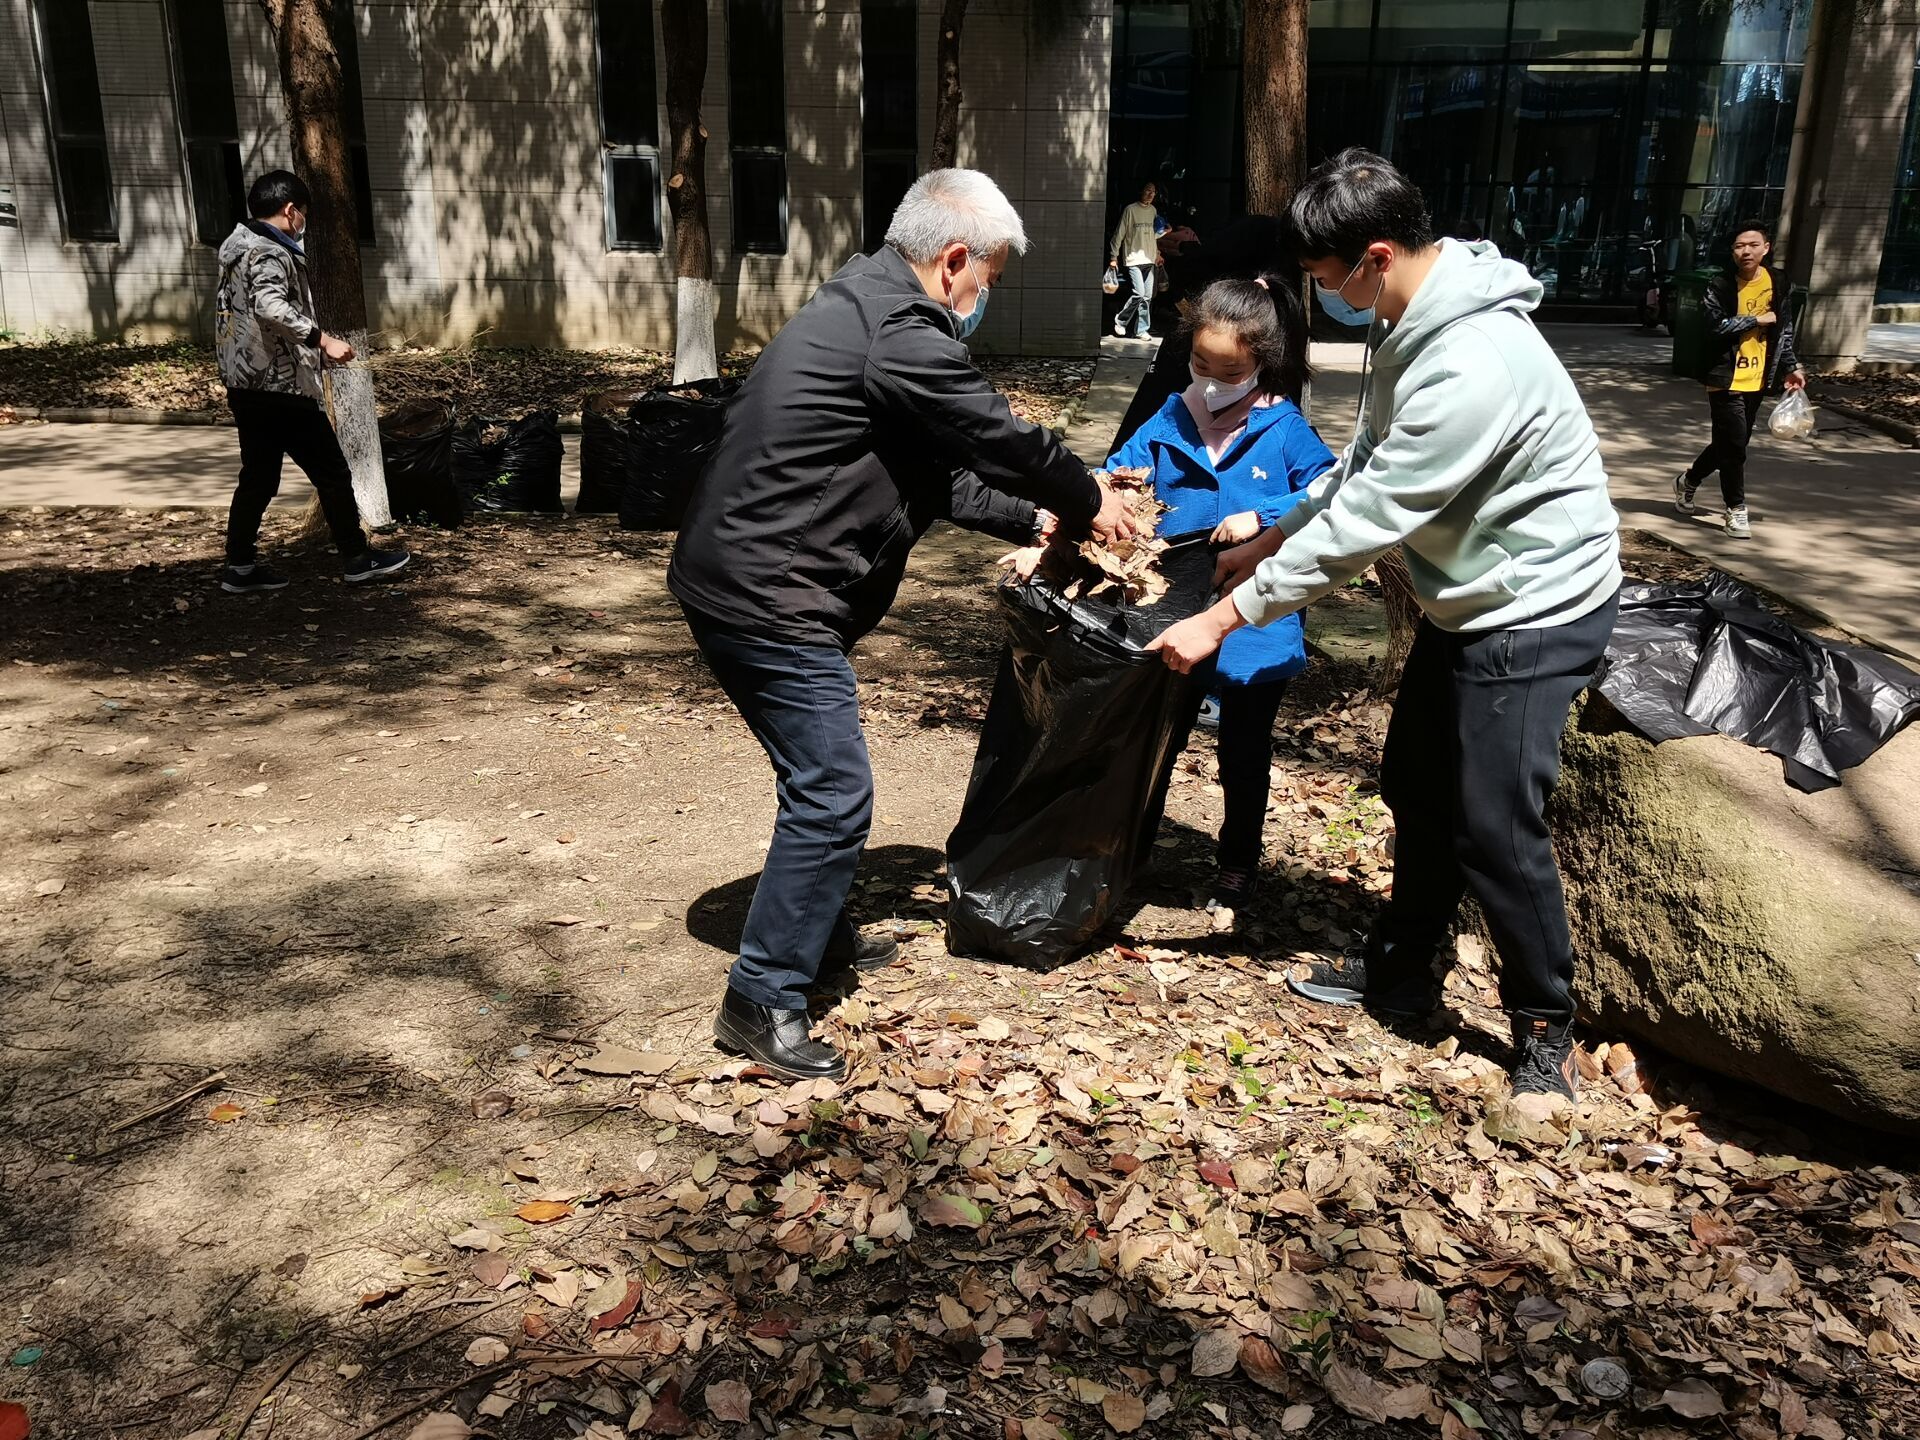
{"points": [[353, 114], [78, 129], [629, 123], [890, 147], [209, 129], [757, 120], [1900, 259]]}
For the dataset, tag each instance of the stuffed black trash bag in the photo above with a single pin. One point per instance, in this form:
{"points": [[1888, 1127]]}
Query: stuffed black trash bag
{"points": [[606, 440], [513, 465], [416, 451], [675, 429], [1074, 754]]}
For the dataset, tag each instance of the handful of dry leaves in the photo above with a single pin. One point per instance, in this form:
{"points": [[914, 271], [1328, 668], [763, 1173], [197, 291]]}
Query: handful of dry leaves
{"points": [[1132, 567]]}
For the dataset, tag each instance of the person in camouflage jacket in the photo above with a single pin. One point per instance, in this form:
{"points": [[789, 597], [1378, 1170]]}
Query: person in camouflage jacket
{"points": [[272, 355]]}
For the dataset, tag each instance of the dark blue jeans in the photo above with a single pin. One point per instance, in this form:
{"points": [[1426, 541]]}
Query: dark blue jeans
{"points": [[803, 707]]}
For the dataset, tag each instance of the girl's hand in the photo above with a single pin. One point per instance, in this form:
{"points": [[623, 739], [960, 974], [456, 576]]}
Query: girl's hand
{"points": [[1232, 567], [1024, 562], [1237, 529]]}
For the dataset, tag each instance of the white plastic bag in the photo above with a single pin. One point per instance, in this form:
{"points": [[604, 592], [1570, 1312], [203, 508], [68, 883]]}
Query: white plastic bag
{"points": [[1110, 282], [1792, 417]]}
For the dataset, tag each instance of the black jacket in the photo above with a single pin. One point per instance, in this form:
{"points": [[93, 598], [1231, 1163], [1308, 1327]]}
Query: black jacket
{"points": [[1730, 327], [861, 424]]}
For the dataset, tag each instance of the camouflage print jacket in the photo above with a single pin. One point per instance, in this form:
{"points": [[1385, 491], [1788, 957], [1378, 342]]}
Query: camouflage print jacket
{"points": [[264, 330]]}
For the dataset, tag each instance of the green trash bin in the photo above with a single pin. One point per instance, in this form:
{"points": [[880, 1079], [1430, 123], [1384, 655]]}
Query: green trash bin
{"points": [[1693, 343]]}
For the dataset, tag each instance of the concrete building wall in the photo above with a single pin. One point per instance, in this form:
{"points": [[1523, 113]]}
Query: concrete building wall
{"points": [[485, 157], [1865, 81]]}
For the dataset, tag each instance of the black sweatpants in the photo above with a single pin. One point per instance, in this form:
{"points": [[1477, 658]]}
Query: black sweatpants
{"points": [[1733, 413], [273, 426], [1472, 752]]}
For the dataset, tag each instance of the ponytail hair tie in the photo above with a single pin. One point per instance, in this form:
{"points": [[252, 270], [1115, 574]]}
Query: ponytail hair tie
{"points": [[1261, 281]]}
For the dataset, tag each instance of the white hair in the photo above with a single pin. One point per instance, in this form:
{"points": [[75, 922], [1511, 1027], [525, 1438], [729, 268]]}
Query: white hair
{"points": [[946, 207]]}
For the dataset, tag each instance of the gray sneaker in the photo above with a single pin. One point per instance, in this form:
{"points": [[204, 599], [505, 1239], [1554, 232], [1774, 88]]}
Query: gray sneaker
{"points": [[1683, 493], [1737, 525]]}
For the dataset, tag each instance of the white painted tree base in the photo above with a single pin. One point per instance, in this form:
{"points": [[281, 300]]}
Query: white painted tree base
{"points": [[695, 356]]}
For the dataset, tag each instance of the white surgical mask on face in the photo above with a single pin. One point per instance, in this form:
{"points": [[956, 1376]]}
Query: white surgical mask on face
{"points": [[1217, 396]]}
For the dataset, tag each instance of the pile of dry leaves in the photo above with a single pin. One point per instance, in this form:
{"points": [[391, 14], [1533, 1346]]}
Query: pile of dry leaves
{"points": [[1149, 1195], [1129, 568]]}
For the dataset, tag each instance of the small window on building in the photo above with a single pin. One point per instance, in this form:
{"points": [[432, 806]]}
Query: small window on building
{"points": [[209, 129], [629, 123], [74, 120], [353, 116], [757, 120], [890, 145]]}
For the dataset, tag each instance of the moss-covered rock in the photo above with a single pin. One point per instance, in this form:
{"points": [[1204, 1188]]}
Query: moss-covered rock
{"points": [[1745, 927]]}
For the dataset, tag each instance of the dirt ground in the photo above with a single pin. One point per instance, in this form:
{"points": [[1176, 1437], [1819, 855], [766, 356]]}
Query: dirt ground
{"points": [[417, 898]]}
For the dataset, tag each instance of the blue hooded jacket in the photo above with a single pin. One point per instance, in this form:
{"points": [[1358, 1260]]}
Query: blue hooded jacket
{"points": [[1276, 455]]}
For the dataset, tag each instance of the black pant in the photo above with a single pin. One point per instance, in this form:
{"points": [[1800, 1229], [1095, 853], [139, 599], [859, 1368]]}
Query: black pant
{"points": [[1473, 751], [271, 427], [1733, 413], [1245, 748], [803, 706]]}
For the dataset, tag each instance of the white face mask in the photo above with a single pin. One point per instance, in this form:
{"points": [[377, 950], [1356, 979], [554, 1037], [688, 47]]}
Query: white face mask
{"points": [[1217, 396]]}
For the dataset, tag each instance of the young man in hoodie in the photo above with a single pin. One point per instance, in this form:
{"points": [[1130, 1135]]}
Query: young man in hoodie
{"points": [[271, 351], [1474, 454], [1752, 322]]}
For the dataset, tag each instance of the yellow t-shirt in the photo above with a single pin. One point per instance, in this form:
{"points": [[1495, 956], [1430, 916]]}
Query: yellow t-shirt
{"points": [[1750, 359]]}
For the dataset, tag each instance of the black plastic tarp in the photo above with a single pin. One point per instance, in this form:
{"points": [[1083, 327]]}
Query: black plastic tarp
{"points": [[674, 430], [1711, 658], [510, 464], [1076, 742], [416, 451]]}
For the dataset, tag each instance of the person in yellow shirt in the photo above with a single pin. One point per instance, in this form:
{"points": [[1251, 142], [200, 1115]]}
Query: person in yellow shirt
{"points": [[1749, 312]]}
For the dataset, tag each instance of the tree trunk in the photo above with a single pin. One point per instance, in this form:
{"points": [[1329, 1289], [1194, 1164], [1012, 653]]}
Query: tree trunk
{"points": [[1275, 97], [311, 80], [683, 34], [946, 119]]}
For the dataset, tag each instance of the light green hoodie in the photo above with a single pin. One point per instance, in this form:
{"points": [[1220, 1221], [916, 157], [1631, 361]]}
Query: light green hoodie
{"points": [[1475, 453]]}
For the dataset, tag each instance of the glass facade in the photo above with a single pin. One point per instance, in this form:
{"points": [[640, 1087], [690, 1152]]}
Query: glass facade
{"points": [[1585, 137], [1900, 260]]}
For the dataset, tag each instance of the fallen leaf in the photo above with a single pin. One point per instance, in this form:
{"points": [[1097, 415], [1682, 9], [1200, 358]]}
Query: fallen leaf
{"points": [[444, 1426], [491, 1270], [477, 1239], [561, 1291], [666, 1417], [952, 1210], [49, 887], [1359, 1394], [1296, 1418], [13, 1421], [544, 1212], [1125, 1413], [1216, 1352], [883, 1103], [1262, 1364], [1423, 1343], [487, 1350], [1694, 1398], [492, 1105], [993, 1028], [564, 920], [619, 1060], [225, 1112], [626, 1301], [730, 1400]]}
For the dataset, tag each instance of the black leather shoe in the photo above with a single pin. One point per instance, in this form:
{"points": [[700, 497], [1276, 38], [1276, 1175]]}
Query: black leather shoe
{"points": [[863, 952], [776, 1039]]}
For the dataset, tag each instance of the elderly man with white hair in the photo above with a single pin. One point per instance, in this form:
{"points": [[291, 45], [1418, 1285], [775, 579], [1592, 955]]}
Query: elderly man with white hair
{"points": [[862, 423]]}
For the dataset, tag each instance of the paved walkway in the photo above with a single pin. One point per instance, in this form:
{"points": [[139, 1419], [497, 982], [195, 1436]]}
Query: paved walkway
{"points": [[1836, 518], [1899, 343]]}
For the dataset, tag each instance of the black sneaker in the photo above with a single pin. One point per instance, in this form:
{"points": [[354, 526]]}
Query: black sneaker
{"points": [[246, 579], [1387, 988], [1544, 1065], [371, 564]]}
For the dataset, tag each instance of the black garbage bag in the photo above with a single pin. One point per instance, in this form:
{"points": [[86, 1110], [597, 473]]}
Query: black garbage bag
{"points": [[509, 464], [1711, 658], [674, 430], [1076, 744], [606, 432], [416, 450]]}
